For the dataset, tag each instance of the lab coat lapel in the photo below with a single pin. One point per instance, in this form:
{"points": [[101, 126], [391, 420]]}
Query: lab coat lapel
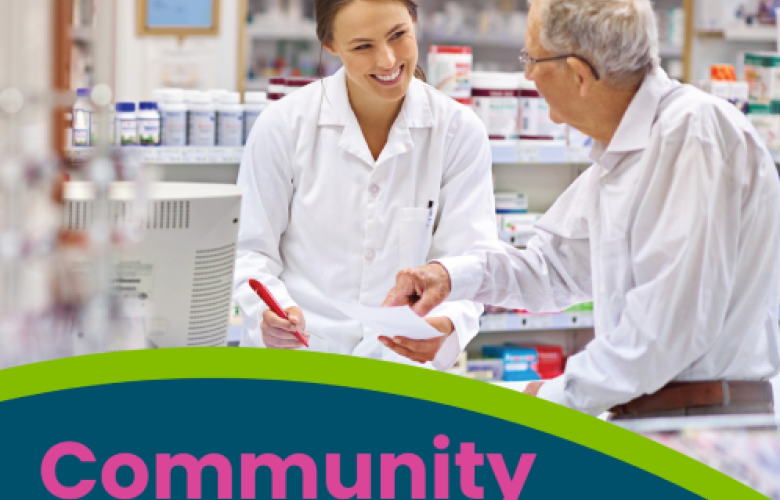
{"points": [[415, 113], [336, 110]]}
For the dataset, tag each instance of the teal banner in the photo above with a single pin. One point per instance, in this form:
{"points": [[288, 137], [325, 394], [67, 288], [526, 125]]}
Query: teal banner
{"points": [[251, 423]]}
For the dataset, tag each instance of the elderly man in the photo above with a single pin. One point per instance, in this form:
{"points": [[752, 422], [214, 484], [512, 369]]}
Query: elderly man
{"points": [[674, 232]]}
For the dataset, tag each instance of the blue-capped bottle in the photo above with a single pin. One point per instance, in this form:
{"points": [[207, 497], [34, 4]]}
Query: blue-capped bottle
{"points": [[149, 124], [126, 124]]}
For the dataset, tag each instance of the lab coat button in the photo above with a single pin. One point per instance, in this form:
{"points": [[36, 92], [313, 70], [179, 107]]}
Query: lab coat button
{"points": [[370, 254], [374, 189]]}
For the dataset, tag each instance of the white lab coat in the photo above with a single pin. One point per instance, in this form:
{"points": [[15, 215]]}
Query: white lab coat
{"points": [[322, 220]]}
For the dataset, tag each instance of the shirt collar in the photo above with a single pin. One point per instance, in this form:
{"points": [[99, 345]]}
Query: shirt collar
{"points": [[336, 110], [633, 133]]}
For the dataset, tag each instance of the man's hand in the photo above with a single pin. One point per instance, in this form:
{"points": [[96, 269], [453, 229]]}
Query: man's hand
{"points": [[421, 288], [532, 389], [278, 332], [421, 351]]}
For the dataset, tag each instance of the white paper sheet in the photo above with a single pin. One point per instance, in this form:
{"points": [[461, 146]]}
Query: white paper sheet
{"points": [[389, 321]]}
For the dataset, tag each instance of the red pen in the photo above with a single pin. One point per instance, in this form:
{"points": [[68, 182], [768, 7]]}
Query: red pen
{"points": [[270, 301]]}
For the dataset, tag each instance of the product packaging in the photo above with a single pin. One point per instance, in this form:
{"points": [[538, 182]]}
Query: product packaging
{"points": [[202, 117], [527, 362], [449, 70], [511, 202], [230, 120], [173, 114], [254, 105], [765, 118], [126, 125], [148, 124], [277, 88], [82, 118], [535, 122], [496, 98]]}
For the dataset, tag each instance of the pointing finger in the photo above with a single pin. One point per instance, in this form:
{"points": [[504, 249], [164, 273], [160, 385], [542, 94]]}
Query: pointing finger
{"points": [[404, 288]]}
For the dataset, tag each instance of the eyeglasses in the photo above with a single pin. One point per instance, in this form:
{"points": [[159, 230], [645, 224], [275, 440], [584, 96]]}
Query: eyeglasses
{"points": [[527, 60]]}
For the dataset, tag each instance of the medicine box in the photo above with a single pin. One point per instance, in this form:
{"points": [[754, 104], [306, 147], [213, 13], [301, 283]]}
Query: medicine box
{"points": [[517, 229], [485, 369], [762, 73], [525, 363], [511, 203], [765, 118]]}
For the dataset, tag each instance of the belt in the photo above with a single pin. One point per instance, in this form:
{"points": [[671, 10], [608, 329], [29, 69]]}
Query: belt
{"points": [[679, 395]]}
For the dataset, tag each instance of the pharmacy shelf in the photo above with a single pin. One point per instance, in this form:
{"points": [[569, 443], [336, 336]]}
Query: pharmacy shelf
{"points": [[741, 33], [504, 152], [475, 40], [511, 322], [520, 151], [295, 34], [166, 155], [745, 33]]}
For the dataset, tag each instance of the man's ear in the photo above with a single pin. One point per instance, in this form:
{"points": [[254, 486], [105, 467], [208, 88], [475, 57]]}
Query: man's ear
{"points": [[582, 75]]}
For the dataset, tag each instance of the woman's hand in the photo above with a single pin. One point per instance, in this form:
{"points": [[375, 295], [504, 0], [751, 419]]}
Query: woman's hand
{"points": [[421, 351], [278, 332]]}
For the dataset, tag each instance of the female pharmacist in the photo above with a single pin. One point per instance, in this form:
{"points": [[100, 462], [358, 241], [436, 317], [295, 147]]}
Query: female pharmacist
{"points": [[351, 179]]}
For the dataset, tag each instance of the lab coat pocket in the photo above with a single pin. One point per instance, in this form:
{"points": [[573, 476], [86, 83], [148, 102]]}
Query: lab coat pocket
{"points": [[414, 237]]}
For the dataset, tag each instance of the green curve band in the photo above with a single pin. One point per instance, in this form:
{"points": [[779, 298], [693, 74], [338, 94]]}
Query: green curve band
{"points": [[378, 376]]}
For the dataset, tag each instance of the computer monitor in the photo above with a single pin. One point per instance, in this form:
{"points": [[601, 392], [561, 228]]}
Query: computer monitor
{"points": [[180, 276]]}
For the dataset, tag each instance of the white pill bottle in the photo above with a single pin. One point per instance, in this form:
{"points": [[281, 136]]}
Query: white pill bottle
{"points": [[82, 118], [254, 105], [173, 113], [148, 124], [202, 120], [230, 120], [126, 126]]}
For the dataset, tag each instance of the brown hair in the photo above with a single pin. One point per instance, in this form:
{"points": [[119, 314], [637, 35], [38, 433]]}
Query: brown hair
{"points": [[325, 12]]}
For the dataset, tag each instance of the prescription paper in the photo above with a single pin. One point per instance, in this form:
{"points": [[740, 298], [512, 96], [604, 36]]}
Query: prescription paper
{"points": [[389, 321]]}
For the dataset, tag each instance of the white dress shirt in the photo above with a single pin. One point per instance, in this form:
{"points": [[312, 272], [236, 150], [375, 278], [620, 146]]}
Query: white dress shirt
{"points": [[673, 233], [322, 220]]}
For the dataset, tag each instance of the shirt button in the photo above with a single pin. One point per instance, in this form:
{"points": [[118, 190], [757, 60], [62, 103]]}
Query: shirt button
{"points": [[370, 254], [374, 189]]}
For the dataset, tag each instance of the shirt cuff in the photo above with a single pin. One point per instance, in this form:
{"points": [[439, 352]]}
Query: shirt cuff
{"points": [[465, 318], [465, 276], [554, 391], [448, 353]]}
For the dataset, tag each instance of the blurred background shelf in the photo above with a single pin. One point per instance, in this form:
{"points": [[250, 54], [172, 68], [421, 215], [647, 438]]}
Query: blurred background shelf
{"points": [[745, 33], [537, 152], [163, 155], [510, 322]]}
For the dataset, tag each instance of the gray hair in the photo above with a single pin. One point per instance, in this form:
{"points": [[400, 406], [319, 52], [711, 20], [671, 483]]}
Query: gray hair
{"points": [[619, 37]]}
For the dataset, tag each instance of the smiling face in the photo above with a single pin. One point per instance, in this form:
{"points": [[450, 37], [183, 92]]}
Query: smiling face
{"points": [[375, 40]]}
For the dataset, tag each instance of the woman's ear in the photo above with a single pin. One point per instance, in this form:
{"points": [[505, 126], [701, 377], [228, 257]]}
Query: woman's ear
{"points": [[329, 47]]}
